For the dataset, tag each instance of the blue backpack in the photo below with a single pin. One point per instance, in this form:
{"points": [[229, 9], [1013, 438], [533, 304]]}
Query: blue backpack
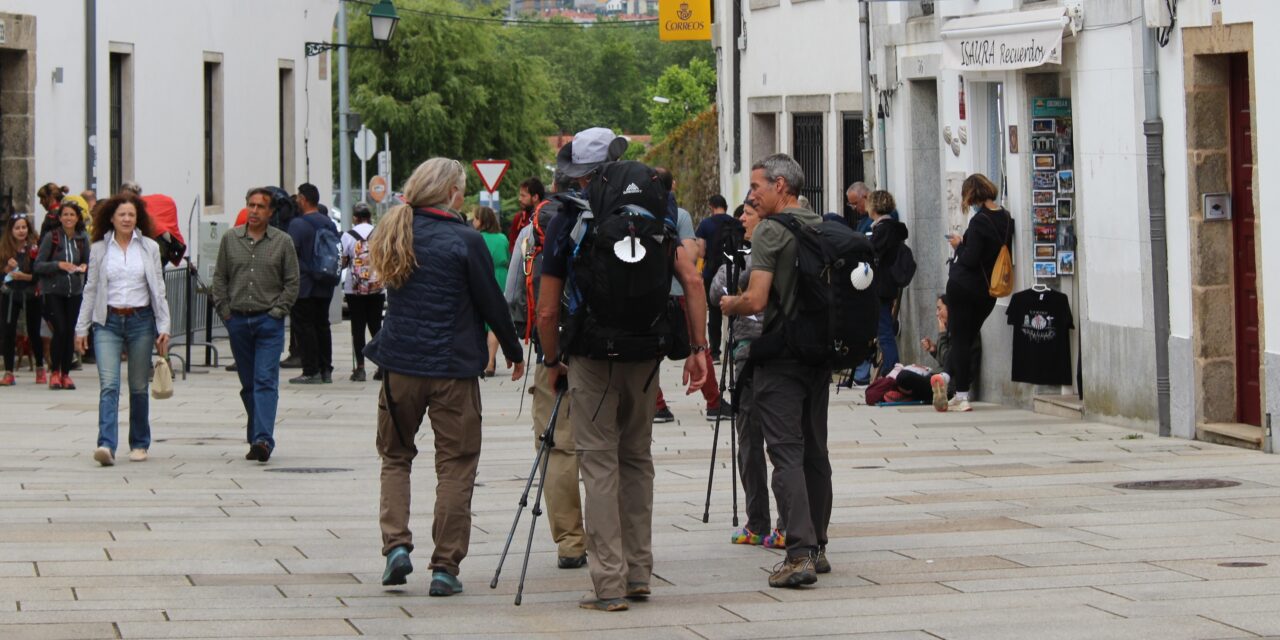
{"points": [[326, 253]]}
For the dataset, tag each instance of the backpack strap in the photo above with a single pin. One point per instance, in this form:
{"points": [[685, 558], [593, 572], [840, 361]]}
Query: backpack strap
{"points": [[354, 234]]}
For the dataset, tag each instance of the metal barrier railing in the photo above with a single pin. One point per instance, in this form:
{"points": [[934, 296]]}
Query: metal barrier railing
{"points": [[193, 322]]}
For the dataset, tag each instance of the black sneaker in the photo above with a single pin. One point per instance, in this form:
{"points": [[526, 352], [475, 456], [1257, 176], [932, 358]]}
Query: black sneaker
{"points": [[572, 562], [663, 415], [327, 377], [357, 375], [314, 379], [231, 367], [377, 374], [291, 362], [724, 411], [793, 572]]}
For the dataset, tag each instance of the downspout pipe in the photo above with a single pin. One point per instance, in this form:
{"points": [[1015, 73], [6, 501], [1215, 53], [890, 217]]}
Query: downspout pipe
{"points": [[1153, 129], [91, 93], [868, 101]]}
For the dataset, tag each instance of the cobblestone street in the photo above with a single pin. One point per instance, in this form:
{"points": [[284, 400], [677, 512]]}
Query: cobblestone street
{"points": [[994, 524]]}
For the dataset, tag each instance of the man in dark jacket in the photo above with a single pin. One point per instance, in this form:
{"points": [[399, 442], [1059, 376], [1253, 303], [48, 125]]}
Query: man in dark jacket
{"points": [[311, 312], [887, 238]]}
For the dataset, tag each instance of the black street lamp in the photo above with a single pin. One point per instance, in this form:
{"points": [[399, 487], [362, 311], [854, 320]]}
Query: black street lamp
{"points": [[382, 20]]}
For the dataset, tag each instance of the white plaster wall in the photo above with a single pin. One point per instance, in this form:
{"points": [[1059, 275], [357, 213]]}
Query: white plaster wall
{"points": [[169, 41]]}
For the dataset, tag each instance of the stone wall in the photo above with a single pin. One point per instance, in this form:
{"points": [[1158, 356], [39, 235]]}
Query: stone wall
{"points": [[17, 111]]}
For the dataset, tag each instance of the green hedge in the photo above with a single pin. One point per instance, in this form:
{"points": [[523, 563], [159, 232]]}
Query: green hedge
{"points": [[692, 153]]}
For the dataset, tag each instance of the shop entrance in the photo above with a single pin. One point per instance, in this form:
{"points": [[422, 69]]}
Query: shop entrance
{"points": [[1243, 231]]}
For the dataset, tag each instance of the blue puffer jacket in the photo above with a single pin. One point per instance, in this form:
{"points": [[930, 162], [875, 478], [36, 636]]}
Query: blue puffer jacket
{"points": [[434, 327]]}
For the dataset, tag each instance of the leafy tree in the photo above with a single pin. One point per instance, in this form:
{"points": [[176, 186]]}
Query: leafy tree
{"points": [[689, 91]]}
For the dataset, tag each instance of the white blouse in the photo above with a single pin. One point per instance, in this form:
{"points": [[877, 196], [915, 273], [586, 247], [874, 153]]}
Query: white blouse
{"points": [[126, 274]]}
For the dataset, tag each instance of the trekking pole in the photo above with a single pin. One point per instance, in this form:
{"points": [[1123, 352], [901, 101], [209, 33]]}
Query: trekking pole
{"points": [[544, 452], [524, 385], [731, 361], [715, 437]]}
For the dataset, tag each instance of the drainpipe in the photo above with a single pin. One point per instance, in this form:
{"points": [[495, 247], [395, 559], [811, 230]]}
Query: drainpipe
{"points": [[1153, 129], [868, 103], [91, 93]]}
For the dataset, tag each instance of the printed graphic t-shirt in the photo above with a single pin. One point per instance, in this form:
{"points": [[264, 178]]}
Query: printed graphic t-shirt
{"points": [[1042, 325]]}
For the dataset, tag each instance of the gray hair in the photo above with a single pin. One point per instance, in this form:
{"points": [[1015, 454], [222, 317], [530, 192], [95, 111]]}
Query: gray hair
{"points": [[131, 186], [781, 165], [859, 188]]}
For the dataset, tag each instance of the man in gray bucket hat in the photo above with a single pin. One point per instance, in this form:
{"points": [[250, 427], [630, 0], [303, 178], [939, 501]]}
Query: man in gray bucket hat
{"points": [[589, 149]]}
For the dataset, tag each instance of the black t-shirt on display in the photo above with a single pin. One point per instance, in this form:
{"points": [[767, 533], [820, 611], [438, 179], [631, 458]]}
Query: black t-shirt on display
{"points": [[1042, 324]]}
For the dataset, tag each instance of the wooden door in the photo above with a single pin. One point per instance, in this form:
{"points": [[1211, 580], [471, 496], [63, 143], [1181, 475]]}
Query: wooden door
{"points": [[1243, 230]]}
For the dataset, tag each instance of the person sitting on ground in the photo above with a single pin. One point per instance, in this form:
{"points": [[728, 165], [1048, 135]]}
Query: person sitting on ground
{"points": [[912, 385]]}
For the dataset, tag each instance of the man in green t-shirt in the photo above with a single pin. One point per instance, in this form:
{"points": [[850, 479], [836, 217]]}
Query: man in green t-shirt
{"points": [[790, 396]]}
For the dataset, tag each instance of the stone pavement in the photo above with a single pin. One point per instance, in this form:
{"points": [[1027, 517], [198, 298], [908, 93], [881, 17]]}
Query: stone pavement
{"points": [[995, 524]]}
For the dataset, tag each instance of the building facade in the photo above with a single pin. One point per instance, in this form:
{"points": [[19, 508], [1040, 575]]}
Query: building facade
{"points": [[1126, 142], [197, 100]]}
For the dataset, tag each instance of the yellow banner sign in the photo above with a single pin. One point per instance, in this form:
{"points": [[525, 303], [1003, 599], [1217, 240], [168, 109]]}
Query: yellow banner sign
{"points": [[684, 19]]}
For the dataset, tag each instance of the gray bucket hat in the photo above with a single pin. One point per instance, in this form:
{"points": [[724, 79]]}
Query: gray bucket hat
{"points": [[589, 149]]}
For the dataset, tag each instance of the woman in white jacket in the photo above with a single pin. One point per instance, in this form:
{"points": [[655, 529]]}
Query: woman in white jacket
{"points": [[124, 302]]}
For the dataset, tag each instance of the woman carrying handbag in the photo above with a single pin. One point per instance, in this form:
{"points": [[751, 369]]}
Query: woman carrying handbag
{"points": [[124, 302]]}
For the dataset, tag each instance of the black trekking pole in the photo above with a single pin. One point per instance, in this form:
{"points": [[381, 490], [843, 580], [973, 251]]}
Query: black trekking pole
{"points": [[725, 374], [539, 465]]}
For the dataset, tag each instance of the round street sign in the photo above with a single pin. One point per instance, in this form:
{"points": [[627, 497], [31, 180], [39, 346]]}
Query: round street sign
{"points": [[378, 188], [366, 144]]}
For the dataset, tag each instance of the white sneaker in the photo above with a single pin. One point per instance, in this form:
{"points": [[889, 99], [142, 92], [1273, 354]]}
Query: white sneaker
{"points": [[104, 456], [957, 404], [137, 455]]}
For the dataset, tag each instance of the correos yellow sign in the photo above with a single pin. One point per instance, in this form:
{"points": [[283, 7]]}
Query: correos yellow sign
{"points": [[684, 19]]}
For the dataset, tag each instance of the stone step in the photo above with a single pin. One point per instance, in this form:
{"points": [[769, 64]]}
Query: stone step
{"points": [[1231, 433], [1060, 406]]}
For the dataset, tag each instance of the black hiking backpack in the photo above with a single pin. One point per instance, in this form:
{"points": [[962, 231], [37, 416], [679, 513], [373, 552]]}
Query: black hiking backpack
{"points": [[833, 323], [619, 294]]}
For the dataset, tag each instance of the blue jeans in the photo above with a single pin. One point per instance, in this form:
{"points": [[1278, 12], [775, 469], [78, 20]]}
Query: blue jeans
{"points": [[256, 343], [136, 335], [888, 341]]}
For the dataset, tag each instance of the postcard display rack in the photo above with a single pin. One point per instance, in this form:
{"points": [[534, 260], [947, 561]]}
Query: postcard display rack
{"points": [[1053, 189]]}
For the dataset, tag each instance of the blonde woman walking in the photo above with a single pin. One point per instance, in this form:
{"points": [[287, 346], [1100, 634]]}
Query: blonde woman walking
{"points": [[441, 292]]}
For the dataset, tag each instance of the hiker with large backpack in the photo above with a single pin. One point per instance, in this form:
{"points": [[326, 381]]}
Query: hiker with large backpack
{"points": [[895, 267], [815, 319], [611, 266], [316, 240], [363, 289], [560, 488], [980, 273]]}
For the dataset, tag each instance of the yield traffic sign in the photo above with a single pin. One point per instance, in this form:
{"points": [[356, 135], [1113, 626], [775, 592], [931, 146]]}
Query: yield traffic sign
{"points": [[491, 172]]}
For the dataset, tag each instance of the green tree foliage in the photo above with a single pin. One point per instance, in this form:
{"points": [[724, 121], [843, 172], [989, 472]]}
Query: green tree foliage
{"points": [[690, 90], [449, 88], [690, 152]]}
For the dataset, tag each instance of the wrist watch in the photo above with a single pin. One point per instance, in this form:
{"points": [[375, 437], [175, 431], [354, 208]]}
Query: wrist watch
{"points": [[698, 348]]}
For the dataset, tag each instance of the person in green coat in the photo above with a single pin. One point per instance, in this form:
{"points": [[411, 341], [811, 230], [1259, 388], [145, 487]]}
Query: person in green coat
{"points": [[485, 220]]}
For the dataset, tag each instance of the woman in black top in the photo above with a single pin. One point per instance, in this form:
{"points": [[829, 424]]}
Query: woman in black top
{"points": [[990, 228], [61, 264], [17, 256]]}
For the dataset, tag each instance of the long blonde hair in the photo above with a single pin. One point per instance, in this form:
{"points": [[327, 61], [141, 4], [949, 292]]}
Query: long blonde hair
{"points": [[391, 245]]}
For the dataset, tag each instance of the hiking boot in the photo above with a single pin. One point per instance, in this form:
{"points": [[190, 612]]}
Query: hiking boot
{"points": [[291, 362], [722, 412], [572, 562], [315, 379], [745, 536], [775, 540], [820, 563], [104, 457], [357, 374], [960, 405], [638, 590], [663, 415], [398, 566], [259, 451], [793, 572], [600, 604], [377, 374], [444, 584], [939, 385], [41, 377], [7, 380], [67, 383]]}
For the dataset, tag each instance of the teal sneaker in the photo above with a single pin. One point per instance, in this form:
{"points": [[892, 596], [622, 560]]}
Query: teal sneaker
{"points": [[398, 566], [444, 583]]}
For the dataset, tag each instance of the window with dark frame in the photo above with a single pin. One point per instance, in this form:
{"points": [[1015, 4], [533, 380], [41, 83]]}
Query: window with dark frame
{"points": [[115, 133], [283, 84], [806, 136], [210, 69], [851, 167]]}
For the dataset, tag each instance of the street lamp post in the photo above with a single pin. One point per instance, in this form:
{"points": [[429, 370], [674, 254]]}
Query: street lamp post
{"points": [[382, 20]]}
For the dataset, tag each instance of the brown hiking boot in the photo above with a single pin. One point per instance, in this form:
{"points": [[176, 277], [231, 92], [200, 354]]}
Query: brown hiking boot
{"points": [[793, 572]]}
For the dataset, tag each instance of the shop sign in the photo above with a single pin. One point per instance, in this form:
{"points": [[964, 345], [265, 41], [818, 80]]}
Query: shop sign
{"points": [[684, 20], [1050, 107], [1004, 41]]}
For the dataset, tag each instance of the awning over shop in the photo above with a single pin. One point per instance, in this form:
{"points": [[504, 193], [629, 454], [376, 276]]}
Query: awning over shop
{"points": [[1004, 41]]}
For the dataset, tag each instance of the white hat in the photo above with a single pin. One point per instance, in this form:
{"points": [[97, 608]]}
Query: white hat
{"points": [[589, 149]]}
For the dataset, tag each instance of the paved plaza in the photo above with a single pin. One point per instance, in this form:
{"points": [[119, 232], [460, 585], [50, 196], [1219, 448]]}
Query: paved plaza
{"points": [[989, 525]]}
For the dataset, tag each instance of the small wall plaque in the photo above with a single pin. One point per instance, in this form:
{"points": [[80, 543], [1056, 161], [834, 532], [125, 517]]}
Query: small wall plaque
{"points": [[1217, 206]]}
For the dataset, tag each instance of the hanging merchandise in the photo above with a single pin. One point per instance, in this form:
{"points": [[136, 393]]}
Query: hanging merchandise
{"points": [[1042, 324], [1053, 188]]}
